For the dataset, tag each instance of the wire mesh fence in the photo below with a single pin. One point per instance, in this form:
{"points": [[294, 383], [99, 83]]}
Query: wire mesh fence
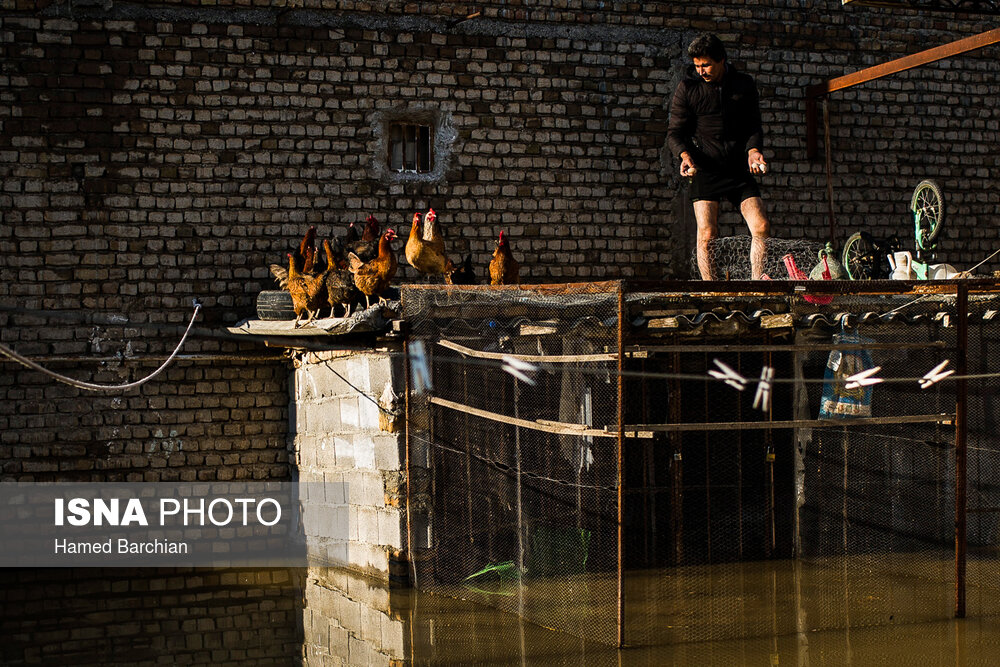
{"points": [[641, 467], [523, 501]]}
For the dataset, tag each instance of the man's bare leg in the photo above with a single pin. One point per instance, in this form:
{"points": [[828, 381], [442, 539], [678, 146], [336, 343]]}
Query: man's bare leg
{"points": [[760, 229], [706, 214]]}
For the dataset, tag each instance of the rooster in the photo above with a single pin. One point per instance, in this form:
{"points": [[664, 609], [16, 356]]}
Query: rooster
{"points": [[373, 278], [307, 250], [367, 247], [306, 290], [427, 256], [464, 275], [504, 269], [340, 289], [305, 258]]}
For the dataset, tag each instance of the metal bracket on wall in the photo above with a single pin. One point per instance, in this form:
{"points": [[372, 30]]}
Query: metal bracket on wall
{"points": [[814, 92]]}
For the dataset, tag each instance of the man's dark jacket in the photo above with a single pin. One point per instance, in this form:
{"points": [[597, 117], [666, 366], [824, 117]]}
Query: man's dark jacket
{"points": [[716, 124]]}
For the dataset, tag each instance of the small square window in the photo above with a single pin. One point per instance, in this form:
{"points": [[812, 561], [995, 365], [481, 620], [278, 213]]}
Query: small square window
{"points": [[410, 148]]}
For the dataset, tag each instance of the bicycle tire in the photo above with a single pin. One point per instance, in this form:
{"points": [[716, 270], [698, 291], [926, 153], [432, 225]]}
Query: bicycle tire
{"points": [[927, 202], [855, 249]]}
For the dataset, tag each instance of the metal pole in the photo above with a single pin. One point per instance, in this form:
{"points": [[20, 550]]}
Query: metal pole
{"points": [[676, 465], [827, 144], [411, 550], [961, 443], [621, 465]]}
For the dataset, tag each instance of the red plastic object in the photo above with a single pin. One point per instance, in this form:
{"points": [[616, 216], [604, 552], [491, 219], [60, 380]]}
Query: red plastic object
{"points": [[794, 273]]}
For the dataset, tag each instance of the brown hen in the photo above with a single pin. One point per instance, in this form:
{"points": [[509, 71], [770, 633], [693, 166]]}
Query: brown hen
{"points": [[427, 256], [367, 247], [306, 290], [340, 289], [374, 277], [504, 269]]}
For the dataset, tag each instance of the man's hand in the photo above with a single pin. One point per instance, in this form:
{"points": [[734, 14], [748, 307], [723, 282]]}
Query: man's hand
{"points": [[756, 161], [687, 165]]}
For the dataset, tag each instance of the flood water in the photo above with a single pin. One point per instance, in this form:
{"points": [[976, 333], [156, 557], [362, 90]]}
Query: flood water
{"points": [[319, 616]]}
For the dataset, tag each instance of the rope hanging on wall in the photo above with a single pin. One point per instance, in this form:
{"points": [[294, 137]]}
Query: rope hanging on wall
{"points": [[103, 387]]}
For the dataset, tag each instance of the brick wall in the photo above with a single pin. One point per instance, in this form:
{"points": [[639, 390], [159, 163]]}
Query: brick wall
{"points": [[198, 421], [151, 155], [150, 616]]}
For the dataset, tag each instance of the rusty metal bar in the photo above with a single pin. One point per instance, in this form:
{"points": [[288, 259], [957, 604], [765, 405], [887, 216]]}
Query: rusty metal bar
{"points": [[961, 448], [793, 423], [708, 464], [410, 550], [602, 287], [621, 466], [828, 150], [676, 440], [783, 348], [906, 62], [946, 6], [885, 69], [649, 530], [687, 289]]}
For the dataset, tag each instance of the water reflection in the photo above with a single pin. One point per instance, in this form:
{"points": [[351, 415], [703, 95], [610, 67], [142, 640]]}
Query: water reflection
{"points": [[349, 621], [94, 616], [321, 617]]}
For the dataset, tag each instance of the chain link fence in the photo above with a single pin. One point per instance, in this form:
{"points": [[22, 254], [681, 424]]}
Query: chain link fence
{"points": [[645, 467]]}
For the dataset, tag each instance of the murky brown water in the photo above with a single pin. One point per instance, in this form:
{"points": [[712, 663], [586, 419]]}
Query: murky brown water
{"points": [[874, 615]]}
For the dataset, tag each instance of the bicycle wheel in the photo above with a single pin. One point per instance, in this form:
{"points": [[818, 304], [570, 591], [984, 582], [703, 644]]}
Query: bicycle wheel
{"points": [[856, 257], [927, 205]]}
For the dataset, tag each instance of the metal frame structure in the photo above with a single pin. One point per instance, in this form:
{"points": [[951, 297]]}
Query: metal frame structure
{"points": [[632, 347], [822, 91]]}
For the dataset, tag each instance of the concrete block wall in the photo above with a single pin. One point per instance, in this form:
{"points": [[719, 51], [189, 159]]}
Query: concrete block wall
{"points": [[338, 440], [349, 620]]}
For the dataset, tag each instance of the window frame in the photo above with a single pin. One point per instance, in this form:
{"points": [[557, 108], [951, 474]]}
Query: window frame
{"points": [[409, 147]]}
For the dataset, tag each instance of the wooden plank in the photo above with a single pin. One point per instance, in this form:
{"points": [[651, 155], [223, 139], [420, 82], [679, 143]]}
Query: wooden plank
{"points": [[663, 323], [795, 423], [777, 321], [548, 358], [559, 428], [538, 329]]}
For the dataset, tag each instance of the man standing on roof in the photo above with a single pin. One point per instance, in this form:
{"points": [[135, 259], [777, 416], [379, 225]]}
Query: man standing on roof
{"points": [[716, 132]]}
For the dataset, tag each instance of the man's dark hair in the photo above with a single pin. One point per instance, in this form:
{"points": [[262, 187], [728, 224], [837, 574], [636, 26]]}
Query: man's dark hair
{"points": [[707, 45]]}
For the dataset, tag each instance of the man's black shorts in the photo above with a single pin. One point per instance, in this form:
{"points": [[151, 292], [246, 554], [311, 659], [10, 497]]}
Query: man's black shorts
{"points": [[716, 186]]}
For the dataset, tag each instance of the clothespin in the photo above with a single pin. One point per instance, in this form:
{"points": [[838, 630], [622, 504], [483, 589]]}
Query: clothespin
{"points": [[863, 379], [729, 376], [519, 369], [763, 397], [420, 371], [935, 375]]}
